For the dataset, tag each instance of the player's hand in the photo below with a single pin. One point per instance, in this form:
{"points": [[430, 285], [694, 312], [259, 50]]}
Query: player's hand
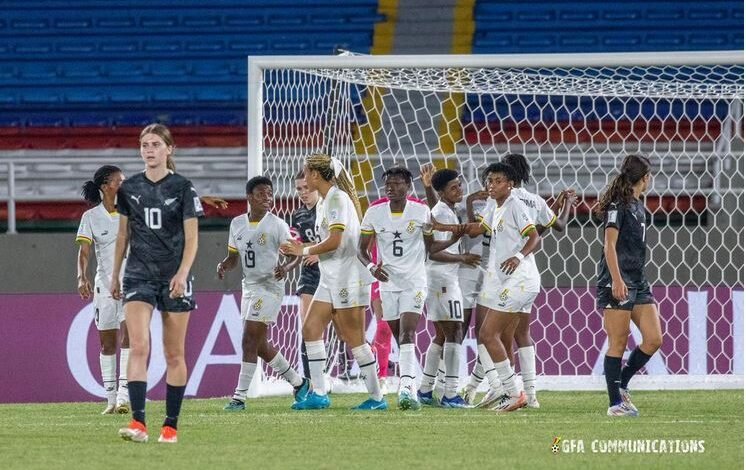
{"points": [[471, 259], [459, 231], [510, 265], [221, 271], [379, 273], [280, 272], [177, 286], [291, 247], [568, 196], [115, 288], [84, 288], [481, 195], [619, 291], [215, 202], [426, 173], [310, 260]]}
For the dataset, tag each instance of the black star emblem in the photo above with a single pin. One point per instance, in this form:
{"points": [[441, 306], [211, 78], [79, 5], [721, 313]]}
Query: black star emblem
{"points": [[397, 234], [249, 245]]}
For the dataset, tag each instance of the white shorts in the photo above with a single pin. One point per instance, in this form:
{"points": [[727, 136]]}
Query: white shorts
{"points": [[261, 306], [395, 303], [508, 297], [344, 297], [109, 312], [445, 304], [470, 291]]}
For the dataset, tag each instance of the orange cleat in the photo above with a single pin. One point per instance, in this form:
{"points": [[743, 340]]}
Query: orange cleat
{"points": [[135, 432], [168, 435]]}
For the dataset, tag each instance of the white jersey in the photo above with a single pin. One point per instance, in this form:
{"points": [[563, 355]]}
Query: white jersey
{"points": [[509, 225], [538, 209], [340, 268], [258, 245], [477, 245], [399, 240], [443, 274], [100, 227]]}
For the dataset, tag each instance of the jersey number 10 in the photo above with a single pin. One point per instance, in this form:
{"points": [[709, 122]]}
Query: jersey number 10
{"points": [[153, 218]]}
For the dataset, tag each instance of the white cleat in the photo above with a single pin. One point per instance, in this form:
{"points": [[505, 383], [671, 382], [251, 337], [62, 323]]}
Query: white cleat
{"points": [[490, 398], [531, 401], [508, 403], [627, 399], [469, 394], [109, 410], [622, 410]]}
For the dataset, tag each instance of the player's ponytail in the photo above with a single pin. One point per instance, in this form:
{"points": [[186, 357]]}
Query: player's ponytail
{"points": [[634, 168], [91, 191], [332, 170]]}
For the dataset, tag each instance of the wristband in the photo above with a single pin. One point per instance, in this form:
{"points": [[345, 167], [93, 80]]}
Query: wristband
{"points": [[371, 266], [306, 251], [519, 255]]}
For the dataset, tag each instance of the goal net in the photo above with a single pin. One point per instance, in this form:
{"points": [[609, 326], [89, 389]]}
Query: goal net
{"points": [[574, 117]]}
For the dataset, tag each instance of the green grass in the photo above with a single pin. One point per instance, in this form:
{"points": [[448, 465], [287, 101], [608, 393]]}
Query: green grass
{"points": [[269, 435]]}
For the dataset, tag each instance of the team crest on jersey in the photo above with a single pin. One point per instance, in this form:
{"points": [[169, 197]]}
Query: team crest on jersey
{"points": [[419, 298], [411, 227], [500, 226], [324, 223], [262, 239], [258, 305], [504, 295]]}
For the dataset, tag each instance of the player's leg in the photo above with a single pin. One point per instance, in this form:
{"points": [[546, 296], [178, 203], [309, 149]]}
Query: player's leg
{"points": [[318, 318], [174, 339], [495, 360], [253, 332], [123, 396], [646, 318], [432, 361], [527, 359], [453, 333], [477, 373], [305, 303], [108, 360], [382, 339], [616, 325], [410, 304], [138, 314]]}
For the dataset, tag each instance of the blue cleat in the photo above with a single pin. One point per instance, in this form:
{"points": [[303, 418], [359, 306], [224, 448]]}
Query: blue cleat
{"points": [[456, 401], [235, 405], [371, 404], [407, 401], [313, 401], [426, 398], [300, 393]]}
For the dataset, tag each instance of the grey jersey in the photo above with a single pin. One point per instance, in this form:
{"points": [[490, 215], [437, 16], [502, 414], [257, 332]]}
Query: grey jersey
{"points": [[156, 214]]}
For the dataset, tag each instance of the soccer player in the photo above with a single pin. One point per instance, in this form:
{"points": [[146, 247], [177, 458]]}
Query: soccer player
{"points": [[158, 221], [544, 218], [382, 339], [99, 227], [254, 241], [510, 285], [623, 292], [303, 228], [344, 287], [444, 299], [402, 231]]}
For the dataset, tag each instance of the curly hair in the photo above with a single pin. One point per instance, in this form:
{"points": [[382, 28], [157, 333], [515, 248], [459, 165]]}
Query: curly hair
{"points": [[398, 171], [442, 177], [520, 166], [91, 188], [501, 167], [634, 168], [323, 164]]}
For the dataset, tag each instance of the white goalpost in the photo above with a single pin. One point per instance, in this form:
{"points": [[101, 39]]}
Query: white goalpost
{"points": [[575, 117]]}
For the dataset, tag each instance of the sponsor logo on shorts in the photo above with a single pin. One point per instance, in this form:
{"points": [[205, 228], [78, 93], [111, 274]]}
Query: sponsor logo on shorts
{"points": [[257, 305], [504, 296], [130, 294], [344, 294], [418, 299]]}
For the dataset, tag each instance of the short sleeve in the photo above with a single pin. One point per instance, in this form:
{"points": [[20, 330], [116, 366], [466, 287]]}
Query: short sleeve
{"points": [[85, 232], [283, 231], [337, 211], [366, 226], [546, 216], [442, 218], [614, 216], [123, 204], [232, 245], [521, 218], [485, 216], [192, 207], [427, 223]]}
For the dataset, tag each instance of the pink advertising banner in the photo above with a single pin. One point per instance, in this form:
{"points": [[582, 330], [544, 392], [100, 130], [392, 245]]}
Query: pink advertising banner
{"points": [[49, 344]]}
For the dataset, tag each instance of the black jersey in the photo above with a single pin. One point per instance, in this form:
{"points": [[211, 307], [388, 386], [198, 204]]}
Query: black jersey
{"points": [[156, 214], [303, 227], [631, 250]]}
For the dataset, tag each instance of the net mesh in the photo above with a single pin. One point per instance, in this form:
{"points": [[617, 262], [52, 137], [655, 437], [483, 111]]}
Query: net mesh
{"points": [[575, 126]]}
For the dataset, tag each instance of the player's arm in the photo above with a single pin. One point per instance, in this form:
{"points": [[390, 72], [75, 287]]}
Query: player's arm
{"points": [[84, 254], [229, 263], [468, 259], [214, 201], [295, 248], [618, 287], [480, 195], [528, 231], [472, 229], [426, 173], [366, 240], [120, 248], [178, 284], [291, 262], [562, 206]]}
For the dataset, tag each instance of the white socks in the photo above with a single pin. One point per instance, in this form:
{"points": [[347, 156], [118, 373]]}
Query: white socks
{"points": [[244, 380], [527, 359], [432, 359], [368, 368], [407, 367], [316, 365], [282, 367], [452, 359], [123, 392], [507, 377], [477, 374], [109, 376]]}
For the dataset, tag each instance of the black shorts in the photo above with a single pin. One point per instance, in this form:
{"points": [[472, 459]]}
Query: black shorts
{"points": [[306, 287], [156, 293], [640, 295]]}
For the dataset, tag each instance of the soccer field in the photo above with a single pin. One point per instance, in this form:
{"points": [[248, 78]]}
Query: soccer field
{"points": [[270, 435]]}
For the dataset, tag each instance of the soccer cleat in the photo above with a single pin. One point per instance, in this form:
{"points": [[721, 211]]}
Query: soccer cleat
{"points": [[168, 435], [622, 410], [109, 410], [123, 407], [455, 401], [489, 399], [407, 401], [301, 391], [531, 401], [313, 401], [627, 399], [469, 394], [508, 403], [235, 405], [372, 405], [135, 432], [426, 398]]}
